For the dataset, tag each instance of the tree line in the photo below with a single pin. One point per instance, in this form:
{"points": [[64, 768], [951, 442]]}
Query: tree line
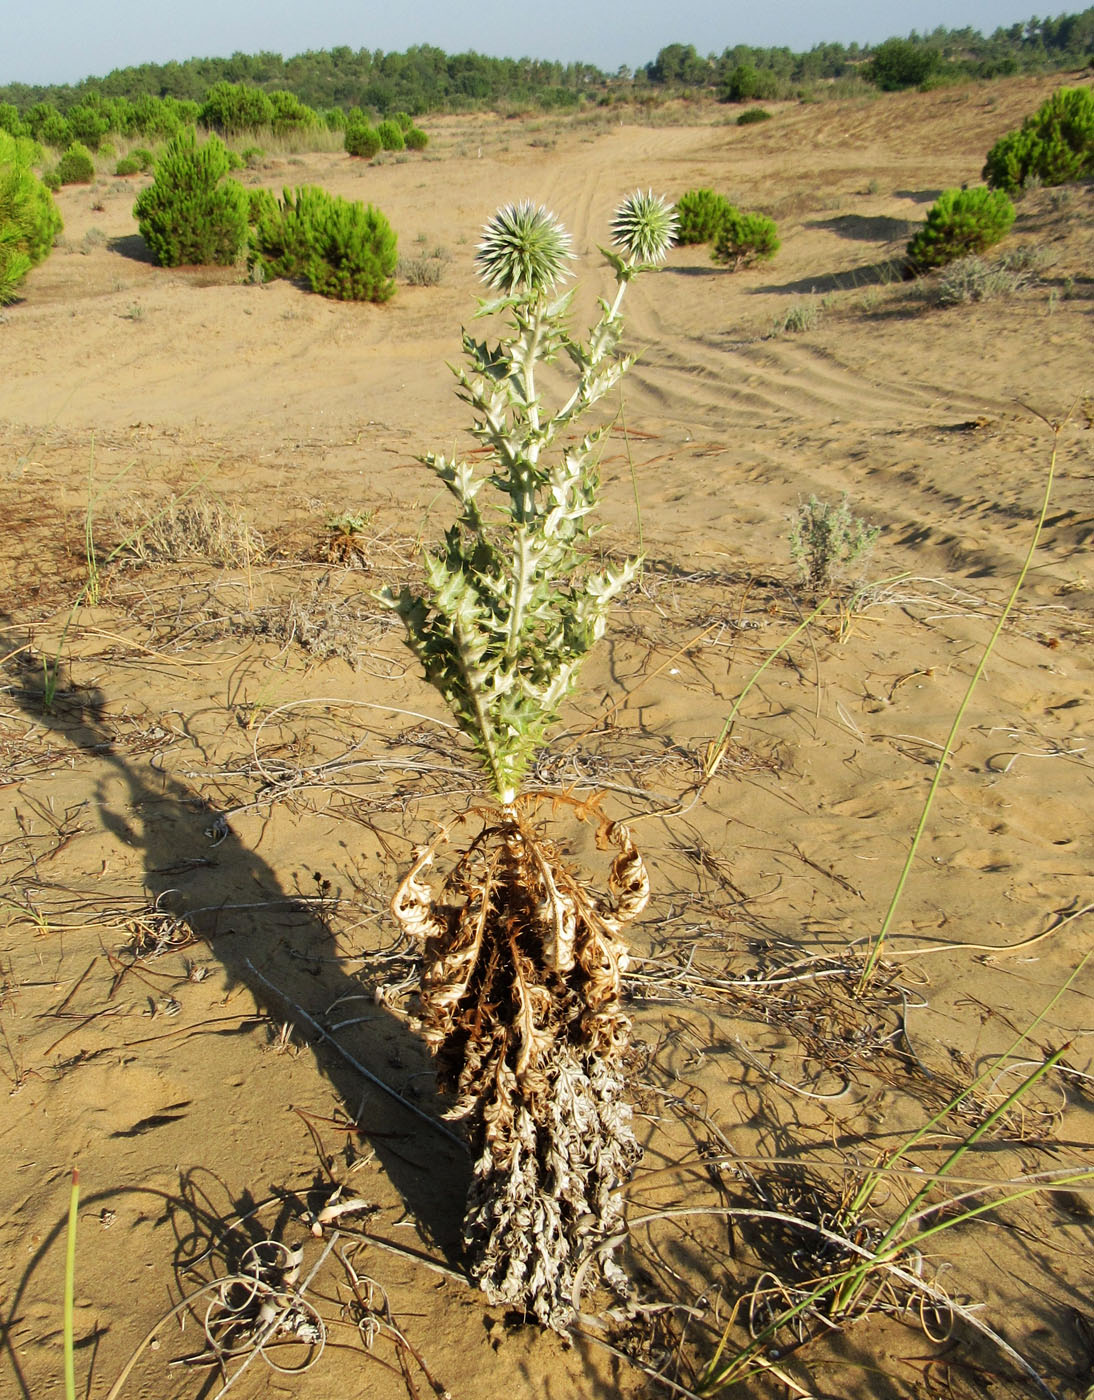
{"points": [[426, 79]]}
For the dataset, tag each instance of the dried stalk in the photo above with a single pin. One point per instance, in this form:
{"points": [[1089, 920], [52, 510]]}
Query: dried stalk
{"points": [[520, 1002]]}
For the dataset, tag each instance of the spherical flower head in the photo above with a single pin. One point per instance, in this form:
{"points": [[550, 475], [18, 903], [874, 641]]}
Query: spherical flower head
{"points": [[644, 226], [524, 250]]}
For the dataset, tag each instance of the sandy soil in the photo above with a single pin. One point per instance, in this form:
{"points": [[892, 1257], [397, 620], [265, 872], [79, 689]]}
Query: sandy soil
{"points": [[207, 824]]}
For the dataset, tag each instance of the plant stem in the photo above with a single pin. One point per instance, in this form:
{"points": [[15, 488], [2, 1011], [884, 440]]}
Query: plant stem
{"points": [[951, 738], [70, 1287]]}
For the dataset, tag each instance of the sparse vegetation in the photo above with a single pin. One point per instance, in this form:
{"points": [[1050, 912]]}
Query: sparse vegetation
{"points": [[191, 213], [959, 223], [974, 279], [195, 527], [826, 540]]}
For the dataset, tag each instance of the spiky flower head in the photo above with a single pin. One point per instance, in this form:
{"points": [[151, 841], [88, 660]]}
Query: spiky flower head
{"points": [[644, 226], [524, 250]]}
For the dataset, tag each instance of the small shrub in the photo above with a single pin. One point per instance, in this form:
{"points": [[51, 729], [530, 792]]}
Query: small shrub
{"points": [[416, 139], [252, 156], [701, 215], [744, 239], [197, 527], [900, 63], [960, 222], [232, 108], [421, 272], [287, 231], [191, 213], [144, 156], [802, 316], [1054, 145], [76, 166], [345, 542], [128, 165], [363, 140], [48, 126], [825, 540], [753, 115], [29, 219], [355, 254], [342, 249], [975, 279], [288, 114], [405, 122], [391, 135], [747, 83]]}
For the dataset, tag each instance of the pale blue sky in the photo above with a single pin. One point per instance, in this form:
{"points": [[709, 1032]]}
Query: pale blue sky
{"points": [[61, 41]]}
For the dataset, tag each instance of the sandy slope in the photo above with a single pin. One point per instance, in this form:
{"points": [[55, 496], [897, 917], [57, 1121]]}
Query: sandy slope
{"points": [[173, 824]]}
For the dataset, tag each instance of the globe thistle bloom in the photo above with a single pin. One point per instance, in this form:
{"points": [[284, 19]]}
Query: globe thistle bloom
{"points": [[524, 250], [644, 227]]}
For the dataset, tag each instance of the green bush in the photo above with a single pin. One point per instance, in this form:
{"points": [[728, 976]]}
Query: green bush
{"points": [[29, 218], [88, 123], [746, 83], [144, 155], [363, 140], [405, 121], [355, 254], [261, 204], [416, 139], [391, 135], [11, 121], [76, 166], [48, 126], [900, 63], [233, 108], [289, 114], [1055, 144], [128, 165], [287, 231], [744, 239], [959, 222], [191, 213], [753, 115], [701, 215]]}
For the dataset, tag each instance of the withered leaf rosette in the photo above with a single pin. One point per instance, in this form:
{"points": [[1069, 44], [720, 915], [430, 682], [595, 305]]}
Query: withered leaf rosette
{"points": [[522, 960]]}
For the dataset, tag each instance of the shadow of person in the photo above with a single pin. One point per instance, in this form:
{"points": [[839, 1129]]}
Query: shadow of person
{"points": [[268, 939]]}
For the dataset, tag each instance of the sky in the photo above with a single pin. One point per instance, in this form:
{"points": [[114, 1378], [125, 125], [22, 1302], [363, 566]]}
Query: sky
{"points": [[62, 41]]}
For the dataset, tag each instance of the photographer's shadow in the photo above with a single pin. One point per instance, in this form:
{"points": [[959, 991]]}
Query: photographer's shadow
{"points": [[199, 874]]}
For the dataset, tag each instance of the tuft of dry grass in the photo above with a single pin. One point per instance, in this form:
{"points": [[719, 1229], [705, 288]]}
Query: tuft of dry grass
{"points": [[194, 527]]}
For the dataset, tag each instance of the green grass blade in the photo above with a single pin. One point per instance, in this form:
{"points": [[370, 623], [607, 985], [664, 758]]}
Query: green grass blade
{"points": [[70, 1287], [890, 914]]}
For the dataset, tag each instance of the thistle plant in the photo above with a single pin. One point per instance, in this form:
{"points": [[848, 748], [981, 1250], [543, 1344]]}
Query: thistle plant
{"points": [[512, 605], [522, 962]]}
